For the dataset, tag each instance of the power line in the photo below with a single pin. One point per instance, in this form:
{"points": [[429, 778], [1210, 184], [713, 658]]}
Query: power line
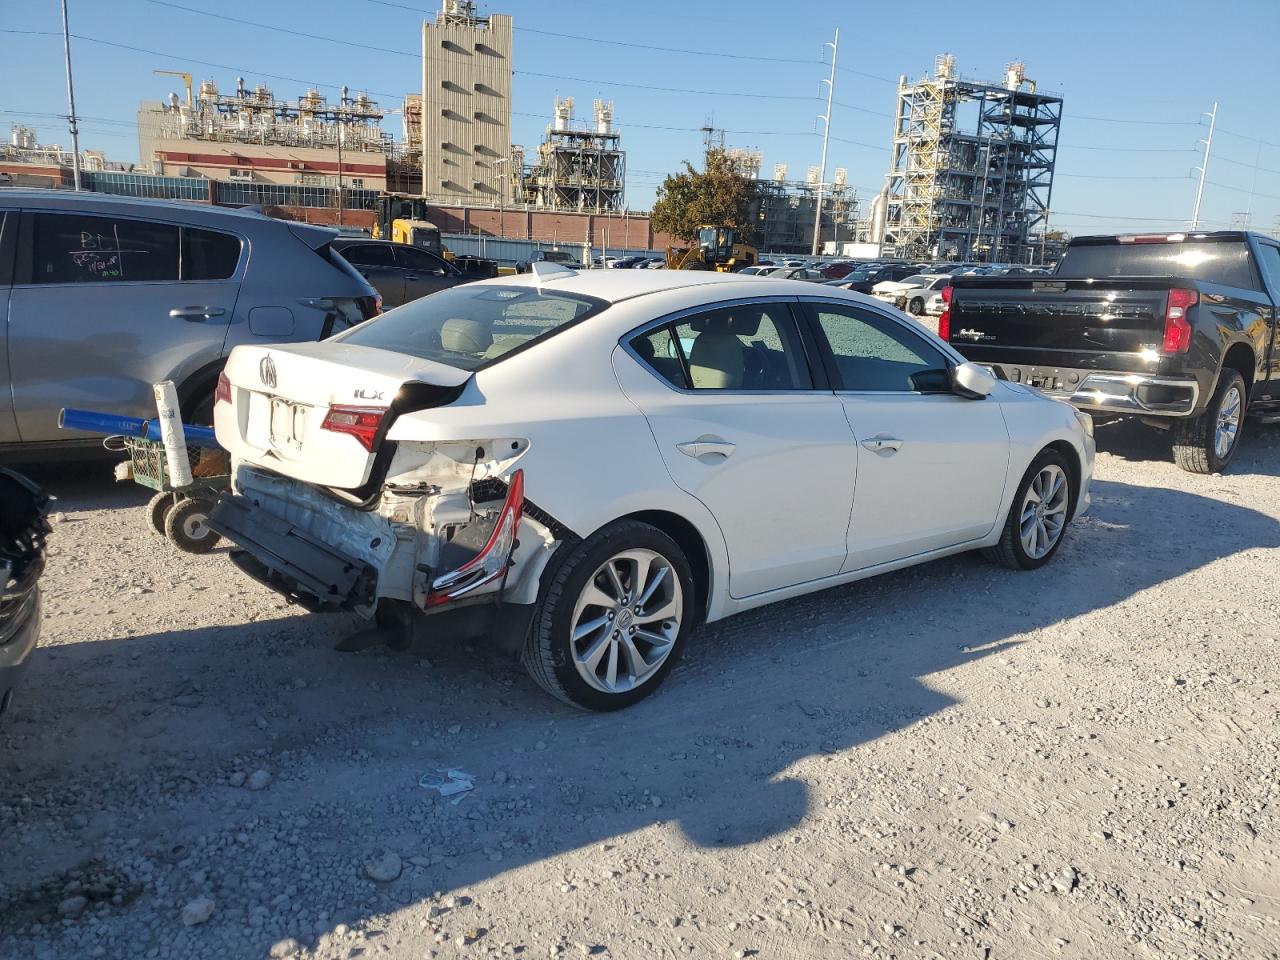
{"points": [[1251, 166], [874, 113], [524, 73], [1148, 123], [1254, 193], [1245, 136]]}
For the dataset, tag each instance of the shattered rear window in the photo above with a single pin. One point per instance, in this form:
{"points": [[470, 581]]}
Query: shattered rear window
{"points": [[473, 326]]}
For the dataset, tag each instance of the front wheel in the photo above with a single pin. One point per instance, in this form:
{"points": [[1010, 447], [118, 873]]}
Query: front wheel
{"points": [[187, 525], [613, 618], [1206, 444], [915, 307], [1037, 519]]}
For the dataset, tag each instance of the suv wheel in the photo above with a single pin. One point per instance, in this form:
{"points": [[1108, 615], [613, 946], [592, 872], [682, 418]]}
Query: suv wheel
{"points": [[1206, 444], [613, 618]]}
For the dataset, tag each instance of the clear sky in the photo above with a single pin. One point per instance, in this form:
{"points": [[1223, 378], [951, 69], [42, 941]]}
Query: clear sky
{"points": [[1136, 75]]}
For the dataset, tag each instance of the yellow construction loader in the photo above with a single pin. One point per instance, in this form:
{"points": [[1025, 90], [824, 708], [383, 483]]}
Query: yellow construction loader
{"points": [[715, 250], [403, 219]]}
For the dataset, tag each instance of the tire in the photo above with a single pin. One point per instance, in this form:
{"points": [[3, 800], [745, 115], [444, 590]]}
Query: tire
{"points": [[1012, 551], [1196, 446], [695, 265], [549, 652], [158, 508], [187, 526], [915, 307]]}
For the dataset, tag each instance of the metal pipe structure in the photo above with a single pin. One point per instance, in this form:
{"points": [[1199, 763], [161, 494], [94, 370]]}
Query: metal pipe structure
{"points": [[1204, 167], [826, 135], [71, 100]]}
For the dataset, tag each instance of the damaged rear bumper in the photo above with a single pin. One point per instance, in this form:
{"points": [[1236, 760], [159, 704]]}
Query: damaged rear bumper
{"points": [[287, 558]]}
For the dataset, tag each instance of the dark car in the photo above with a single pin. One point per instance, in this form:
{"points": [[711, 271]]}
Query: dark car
{"points": [[864, 279], [399, 272], [23, 529], [562, 258]]}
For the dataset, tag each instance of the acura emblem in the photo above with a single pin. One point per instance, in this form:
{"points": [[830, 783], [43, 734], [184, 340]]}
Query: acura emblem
{"points": [[267, 371]]}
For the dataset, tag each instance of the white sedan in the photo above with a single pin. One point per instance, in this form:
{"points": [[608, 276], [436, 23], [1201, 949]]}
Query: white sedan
{"points": [[586, 465], [912, 293]]}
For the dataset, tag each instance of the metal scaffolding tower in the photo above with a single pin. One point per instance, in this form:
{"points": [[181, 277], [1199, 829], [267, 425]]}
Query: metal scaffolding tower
{"points": [[977, 193], [578, 168]]}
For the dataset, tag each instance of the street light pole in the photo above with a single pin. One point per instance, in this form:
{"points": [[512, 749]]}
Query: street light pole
{"points": [[502, 199], [71, 99], [826, 134], [341, 128], [1204, 167]]}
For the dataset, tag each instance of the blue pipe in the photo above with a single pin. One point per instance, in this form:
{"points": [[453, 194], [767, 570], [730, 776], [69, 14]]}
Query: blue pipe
{"points": [[113, 425]]}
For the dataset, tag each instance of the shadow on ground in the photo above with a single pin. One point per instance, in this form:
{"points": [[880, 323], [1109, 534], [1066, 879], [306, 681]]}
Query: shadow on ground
{"points": [[142, 733]]}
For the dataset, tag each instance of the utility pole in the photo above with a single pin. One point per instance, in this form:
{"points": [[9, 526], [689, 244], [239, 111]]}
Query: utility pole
{"points": [[71, 99], [1204, 166], [341, 129], [826, 135]]}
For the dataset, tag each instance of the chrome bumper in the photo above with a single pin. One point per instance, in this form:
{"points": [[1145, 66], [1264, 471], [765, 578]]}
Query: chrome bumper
{"points": [[1136, 393]]}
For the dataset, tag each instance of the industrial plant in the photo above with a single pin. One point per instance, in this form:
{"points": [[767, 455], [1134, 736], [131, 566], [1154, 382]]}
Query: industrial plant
{"points": [[972, 167], [579, 167]]}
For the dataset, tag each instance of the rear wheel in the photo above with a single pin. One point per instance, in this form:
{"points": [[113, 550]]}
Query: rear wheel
{"points": [[1037, 519], [613, 618], [1206, 444]]}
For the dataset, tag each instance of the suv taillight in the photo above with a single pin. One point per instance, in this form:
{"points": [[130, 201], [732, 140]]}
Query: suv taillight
{"points": [[1177, 328], [944, 318], [222, 392], [360, 422]]}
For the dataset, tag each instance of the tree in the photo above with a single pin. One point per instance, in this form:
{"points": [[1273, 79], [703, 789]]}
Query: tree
{"points": [[717, 195]]}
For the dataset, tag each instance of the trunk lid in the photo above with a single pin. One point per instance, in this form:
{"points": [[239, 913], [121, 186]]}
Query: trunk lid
{"points": [[1116, 315], [283, 395]]}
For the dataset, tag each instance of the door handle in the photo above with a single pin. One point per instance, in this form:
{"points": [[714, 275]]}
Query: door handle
{"points": [[706, 445], [411, 277], [883, 445], [195, 314]]}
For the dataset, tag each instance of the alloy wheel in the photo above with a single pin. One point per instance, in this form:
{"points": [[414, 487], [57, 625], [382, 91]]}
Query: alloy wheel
{"points": [[1228, 425], [1044, 511], [626, 620]]}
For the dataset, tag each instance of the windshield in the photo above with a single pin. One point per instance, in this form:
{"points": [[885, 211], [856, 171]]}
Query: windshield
{"points": [[472, 326], [916, 280]]}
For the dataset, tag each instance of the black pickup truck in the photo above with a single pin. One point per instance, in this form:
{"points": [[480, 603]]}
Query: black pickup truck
{"points": [[1179, 330]]}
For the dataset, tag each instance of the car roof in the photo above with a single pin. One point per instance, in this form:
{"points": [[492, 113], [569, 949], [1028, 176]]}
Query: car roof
{"points": [[615, 286], [89, 202]]}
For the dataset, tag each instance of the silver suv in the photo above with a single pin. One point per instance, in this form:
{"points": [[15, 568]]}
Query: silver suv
{"points": [[107, 295]]}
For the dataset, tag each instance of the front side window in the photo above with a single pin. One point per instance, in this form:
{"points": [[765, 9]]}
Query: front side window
{"points": [[69, 248], [421, 260], [752, 347], [472, 326], [873, 353]]}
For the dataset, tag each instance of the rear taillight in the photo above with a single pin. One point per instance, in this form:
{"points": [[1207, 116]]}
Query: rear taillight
{"points": [[222, 392], [492, 561], [1177, 328], [944, 318], [362, 423]]}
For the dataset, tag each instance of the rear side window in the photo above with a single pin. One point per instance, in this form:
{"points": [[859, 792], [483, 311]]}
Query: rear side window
{"points": [[208, 255], [472, 326], [751, 347], [369, 255], [1225, 262], [69, 248]]}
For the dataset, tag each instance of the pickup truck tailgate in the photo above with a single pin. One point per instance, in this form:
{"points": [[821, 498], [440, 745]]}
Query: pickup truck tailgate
{"points": [[1116, 315]]}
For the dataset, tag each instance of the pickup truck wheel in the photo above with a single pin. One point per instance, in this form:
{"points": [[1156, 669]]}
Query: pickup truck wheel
{"points": [[1037, 519], [613, 618], [1206, 444]]}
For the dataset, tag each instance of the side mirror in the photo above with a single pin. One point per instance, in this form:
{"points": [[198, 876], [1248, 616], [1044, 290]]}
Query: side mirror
{"points": [[972, 381]]}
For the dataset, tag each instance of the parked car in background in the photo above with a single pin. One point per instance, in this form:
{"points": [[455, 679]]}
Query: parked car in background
{"points": [[398, 271], [864, 279], [23, 529], [910, 293], [108, 295], [564, 258], [936, 303], [456, 443], [753, 271], [795, 273], [1181, 330]]}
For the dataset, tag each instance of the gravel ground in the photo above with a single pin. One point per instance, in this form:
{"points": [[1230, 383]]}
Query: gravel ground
{"points": [[954, 761]]}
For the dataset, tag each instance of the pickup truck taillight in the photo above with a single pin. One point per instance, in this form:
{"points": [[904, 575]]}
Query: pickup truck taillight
{"points": [[359, 422], [944, 319], [1177, 328]]}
